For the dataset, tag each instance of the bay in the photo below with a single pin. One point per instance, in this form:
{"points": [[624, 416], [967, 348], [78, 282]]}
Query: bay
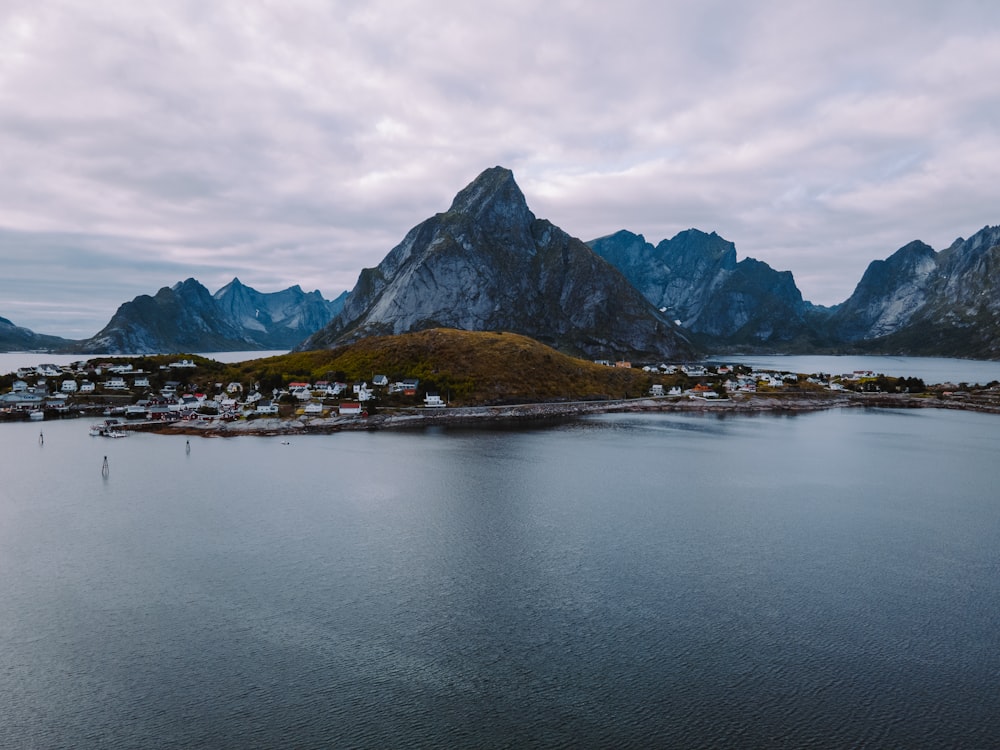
{"points": [[822, 580], [932, 370], [11, 361]]}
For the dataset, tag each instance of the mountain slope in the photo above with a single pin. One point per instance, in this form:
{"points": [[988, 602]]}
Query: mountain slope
{"points": [[487, 264], [280, 319], [694, 277], [955, 308], [17, 338], [187, 318], [467, 367]]}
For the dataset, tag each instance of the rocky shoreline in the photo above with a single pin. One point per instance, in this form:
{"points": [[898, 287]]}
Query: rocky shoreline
{"points": [[500, 416]]}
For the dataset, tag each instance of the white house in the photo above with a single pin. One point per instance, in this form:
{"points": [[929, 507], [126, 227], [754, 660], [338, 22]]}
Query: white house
{"points": [[313, 408], [141, 382], [115, 384], [433, 400], [380, 380], [68, 386], [86, 386]]}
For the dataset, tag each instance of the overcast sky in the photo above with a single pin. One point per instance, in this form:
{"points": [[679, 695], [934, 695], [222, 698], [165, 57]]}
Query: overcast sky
{"points": [[296, 141]]}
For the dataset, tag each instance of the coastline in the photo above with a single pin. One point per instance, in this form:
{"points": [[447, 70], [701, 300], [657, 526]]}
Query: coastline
{"points": [[510, 415]]}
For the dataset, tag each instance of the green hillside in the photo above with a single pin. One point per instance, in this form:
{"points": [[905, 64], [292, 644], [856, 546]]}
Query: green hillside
{"points": [[468, 367]]}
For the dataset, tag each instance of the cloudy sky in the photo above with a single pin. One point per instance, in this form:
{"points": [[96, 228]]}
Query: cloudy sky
{"points": [[296, 141]]}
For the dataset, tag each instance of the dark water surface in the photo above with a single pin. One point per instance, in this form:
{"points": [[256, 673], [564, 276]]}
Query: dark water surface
{"points": [[823, 580]]}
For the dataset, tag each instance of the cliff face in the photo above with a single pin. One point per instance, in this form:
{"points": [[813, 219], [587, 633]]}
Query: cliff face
{"points": [[278, 320], [948, 302], [488, 264], [694, 278], [187, 318], [915, 302], [888, 295]]}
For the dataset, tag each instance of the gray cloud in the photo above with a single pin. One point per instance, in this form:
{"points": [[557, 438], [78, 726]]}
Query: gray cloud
{"points": [[297, 142]]}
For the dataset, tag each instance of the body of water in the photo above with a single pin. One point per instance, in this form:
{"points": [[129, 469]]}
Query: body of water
{"points": [[929, 369], [656, 580], [11, 361]]}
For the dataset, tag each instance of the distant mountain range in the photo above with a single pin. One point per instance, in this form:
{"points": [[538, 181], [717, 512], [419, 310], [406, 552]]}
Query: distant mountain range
{"points": [[187, 318], [489, 264], [16, 338], [916, 302]]}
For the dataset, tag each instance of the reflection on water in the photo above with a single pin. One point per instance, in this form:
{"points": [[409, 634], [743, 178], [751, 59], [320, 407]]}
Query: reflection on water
{"points": [[818, 580]]}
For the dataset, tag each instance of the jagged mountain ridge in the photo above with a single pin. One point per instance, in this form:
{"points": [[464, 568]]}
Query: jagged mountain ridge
{"points": [[287, 315], [187, 318], [488, 264], [695, 278], [916, 302], [943, 303]]}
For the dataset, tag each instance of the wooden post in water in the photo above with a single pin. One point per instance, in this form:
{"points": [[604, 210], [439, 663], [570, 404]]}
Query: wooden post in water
{"points": [[105, 470]]}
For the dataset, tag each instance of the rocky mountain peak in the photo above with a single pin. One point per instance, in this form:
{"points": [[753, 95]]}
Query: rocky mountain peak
{"points": [[494, 202], [489, 264], [232, 287]]}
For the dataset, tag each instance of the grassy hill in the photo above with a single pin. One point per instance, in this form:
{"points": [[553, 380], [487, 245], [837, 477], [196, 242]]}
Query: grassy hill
{"points": [[468, 367]]}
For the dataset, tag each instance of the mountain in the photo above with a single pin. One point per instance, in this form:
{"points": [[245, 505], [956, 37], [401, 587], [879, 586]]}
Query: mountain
{"points": [[488, 264], [187, 318], [695, 279], [922, 302], [15, 338], [282, 319], [889, 293]]}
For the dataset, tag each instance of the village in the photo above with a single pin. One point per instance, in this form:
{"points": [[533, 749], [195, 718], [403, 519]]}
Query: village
{"points": [[176, 391]]}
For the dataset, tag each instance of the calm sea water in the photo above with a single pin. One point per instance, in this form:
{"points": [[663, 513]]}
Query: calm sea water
{"points": [[823, 580], [929, 369], [11, 361]]}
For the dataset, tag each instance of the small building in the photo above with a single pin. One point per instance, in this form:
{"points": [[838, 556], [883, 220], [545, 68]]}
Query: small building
{"points": [[433, 400], [349, 408], [68, 386], [380, 380], [265, 408], [86, 386], [656, 390]]}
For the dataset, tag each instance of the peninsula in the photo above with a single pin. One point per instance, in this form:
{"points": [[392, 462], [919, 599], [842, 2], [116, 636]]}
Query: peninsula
{"points": [[436, 377]]}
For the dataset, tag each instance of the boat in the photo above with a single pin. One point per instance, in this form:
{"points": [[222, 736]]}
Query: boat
{"points": [[36, 415], [109, 428]]}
